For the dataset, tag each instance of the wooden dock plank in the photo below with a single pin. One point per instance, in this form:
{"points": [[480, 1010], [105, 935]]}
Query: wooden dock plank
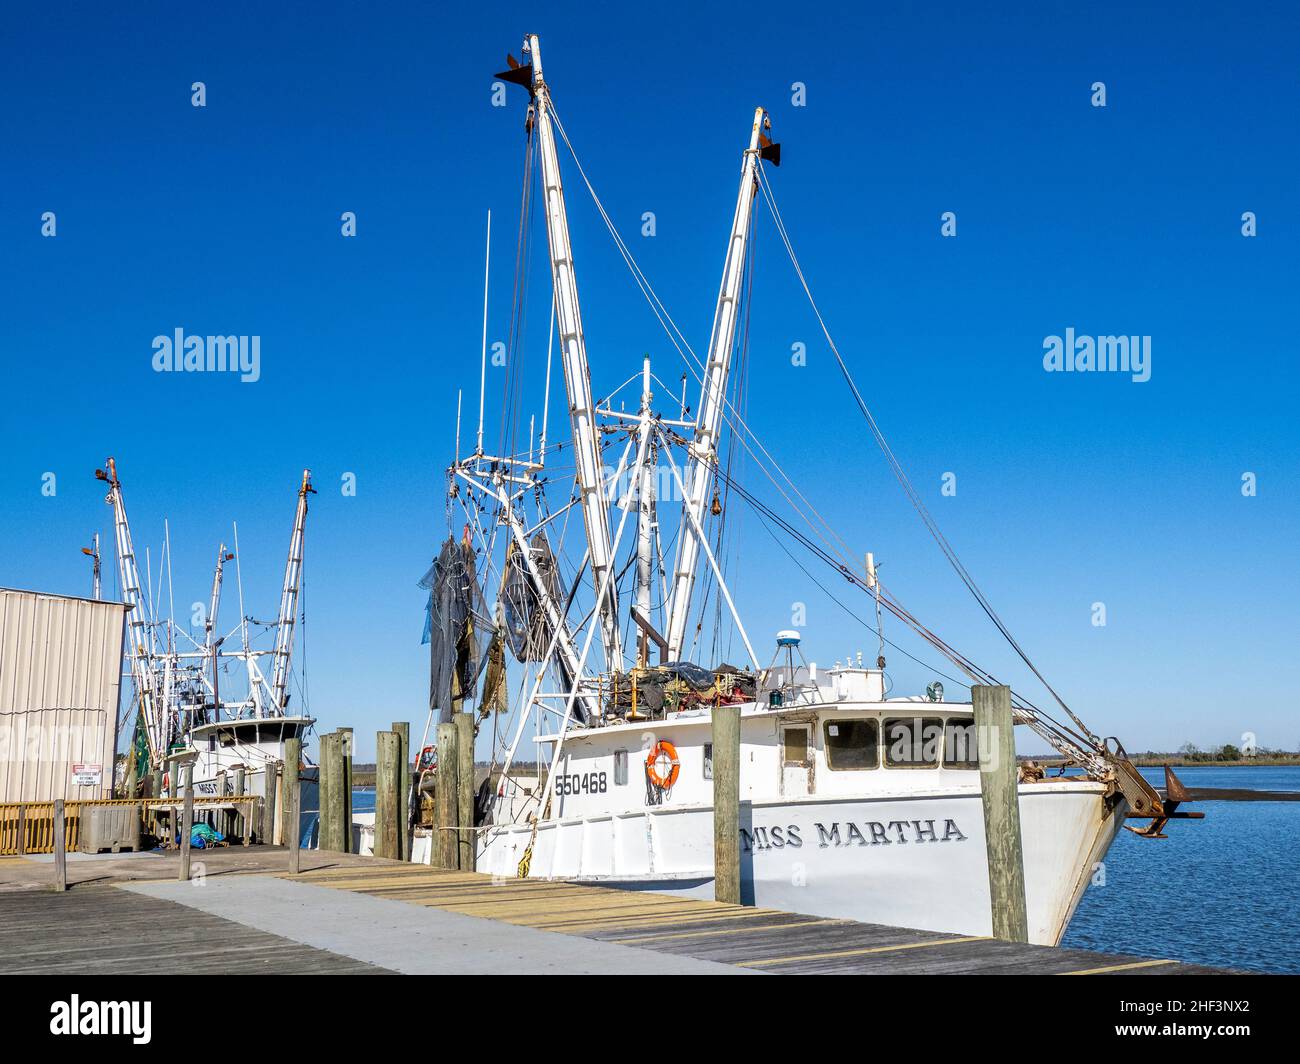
{"points": [[101, 930], [761, 939]]}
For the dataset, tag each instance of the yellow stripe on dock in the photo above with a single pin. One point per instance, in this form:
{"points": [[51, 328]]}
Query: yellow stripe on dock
{"points": [[1118, 967], [834, 954]]}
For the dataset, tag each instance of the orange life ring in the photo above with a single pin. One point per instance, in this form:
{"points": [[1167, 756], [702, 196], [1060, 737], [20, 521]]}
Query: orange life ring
{"points": [[663, 748]]}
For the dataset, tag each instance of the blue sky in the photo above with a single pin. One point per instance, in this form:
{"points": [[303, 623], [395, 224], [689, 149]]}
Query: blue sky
{"points": [[1072, 489]]}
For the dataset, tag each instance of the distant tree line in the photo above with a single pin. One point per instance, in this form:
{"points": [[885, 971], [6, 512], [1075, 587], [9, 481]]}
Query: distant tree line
{"points": [[1229, 752]]}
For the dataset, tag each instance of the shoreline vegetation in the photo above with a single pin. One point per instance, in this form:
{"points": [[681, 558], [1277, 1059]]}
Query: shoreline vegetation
{"points": [[1263, 761], [1189, 756]]}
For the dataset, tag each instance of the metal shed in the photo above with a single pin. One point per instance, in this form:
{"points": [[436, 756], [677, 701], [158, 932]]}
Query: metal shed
{"points": [[60, 682]]}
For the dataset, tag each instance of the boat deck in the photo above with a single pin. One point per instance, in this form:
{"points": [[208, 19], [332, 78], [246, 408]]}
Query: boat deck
{"points": [[345, 914]]}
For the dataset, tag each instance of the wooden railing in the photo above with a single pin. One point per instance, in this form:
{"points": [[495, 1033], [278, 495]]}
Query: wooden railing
{"points": [[28, 827]]}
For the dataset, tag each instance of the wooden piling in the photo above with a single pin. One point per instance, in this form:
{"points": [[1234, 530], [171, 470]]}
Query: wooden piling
{"points": [[294, 792], [242, 809], [466, 838], [999, 790], [403, 730], [446, 819], [221, 820], [270, 805], [323, 769], [334, 827], [388, 799], [60, 849], [131, 780], [726, 804], [187, 823], [293, 800], [346, 748]]}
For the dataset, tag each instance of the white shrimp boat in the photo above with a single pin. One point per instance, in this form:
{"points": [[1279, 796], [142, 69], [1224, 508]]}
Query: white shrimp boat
{"points": [[202, 700], [855, 803]]}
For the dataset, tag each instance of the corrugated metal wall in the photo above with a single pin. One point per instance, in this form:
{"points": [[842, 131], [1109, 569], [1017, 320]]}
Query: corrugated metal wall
{"points": [[60, 680]]}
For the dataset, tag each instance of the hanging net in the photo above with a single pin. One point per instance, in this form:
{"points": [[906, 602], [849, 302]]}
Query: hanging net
{"points": [[527, 626], [528, 630], [458, 627]]}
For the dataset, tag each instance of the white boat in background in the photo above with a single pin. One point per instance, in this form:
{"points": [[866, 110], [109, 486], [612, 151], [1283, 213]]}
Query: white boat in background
{"points": [[195, 701]]}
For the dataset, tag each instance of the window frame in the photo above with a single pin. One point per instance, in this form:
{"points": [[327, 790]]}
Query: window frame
{"points": [[960, 766], [826, 750], [809, 748], [914, 765]]}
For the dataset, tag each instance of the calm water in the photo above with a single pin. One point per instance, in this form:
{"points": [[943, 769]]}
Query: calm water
{"points": [[1223, 891]]}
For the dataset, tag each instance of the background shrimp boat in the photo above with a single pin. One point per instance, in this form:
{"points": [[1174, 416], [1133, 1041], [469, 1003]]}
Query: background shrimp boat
{"points": [[855, 803], [207, 699]]}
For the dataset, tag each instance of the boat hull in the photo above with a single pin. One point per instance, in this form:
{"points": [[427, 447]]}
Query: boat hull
{"points": [[915, 860]]}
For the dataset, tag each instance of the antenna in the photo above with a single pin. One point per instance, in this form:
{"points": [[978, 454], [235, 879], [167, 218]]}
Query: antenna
{"points": [[482, 372], [148, 577], [171, 598], [239, 580], [873, 583], [92, 552]]}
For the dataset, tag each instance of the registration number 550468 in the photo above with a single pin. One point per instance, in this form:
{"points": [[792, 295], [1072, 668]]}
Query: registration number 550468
{"points": [[580, 783]]}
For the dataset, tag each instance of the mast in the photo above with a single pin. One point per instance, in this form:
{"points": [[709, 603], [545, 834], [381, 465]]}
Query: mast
{"points": [[703, 451], [140, 634], [645, 529], [577, 377], [210, 625], [289, 600]]}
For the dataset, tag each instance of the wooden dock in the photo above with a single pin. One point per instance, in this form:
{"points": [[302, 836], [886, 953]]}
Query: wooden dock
{"points": [[127, 914], [749, 937]]}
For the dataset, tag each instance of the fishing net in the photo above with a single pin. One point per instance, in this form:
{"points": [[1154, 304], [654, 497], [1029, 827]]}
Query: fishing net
{"points": [[458, 627], [678, 685], [494, 698], [526, 625], [527, 628]]}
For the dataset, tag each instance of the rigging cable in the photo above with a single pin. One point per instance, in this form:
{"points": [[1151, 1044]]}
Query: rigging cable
{"points": [[683, 347], [897, 468]]}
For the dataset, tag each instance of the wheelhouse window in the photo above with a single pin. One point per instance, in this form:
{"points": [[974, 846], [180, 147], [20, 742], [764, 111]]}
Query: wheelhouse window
{"points": [[959, 747], [851, 744], [620, 768], [708, 761], [913, 742]]}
